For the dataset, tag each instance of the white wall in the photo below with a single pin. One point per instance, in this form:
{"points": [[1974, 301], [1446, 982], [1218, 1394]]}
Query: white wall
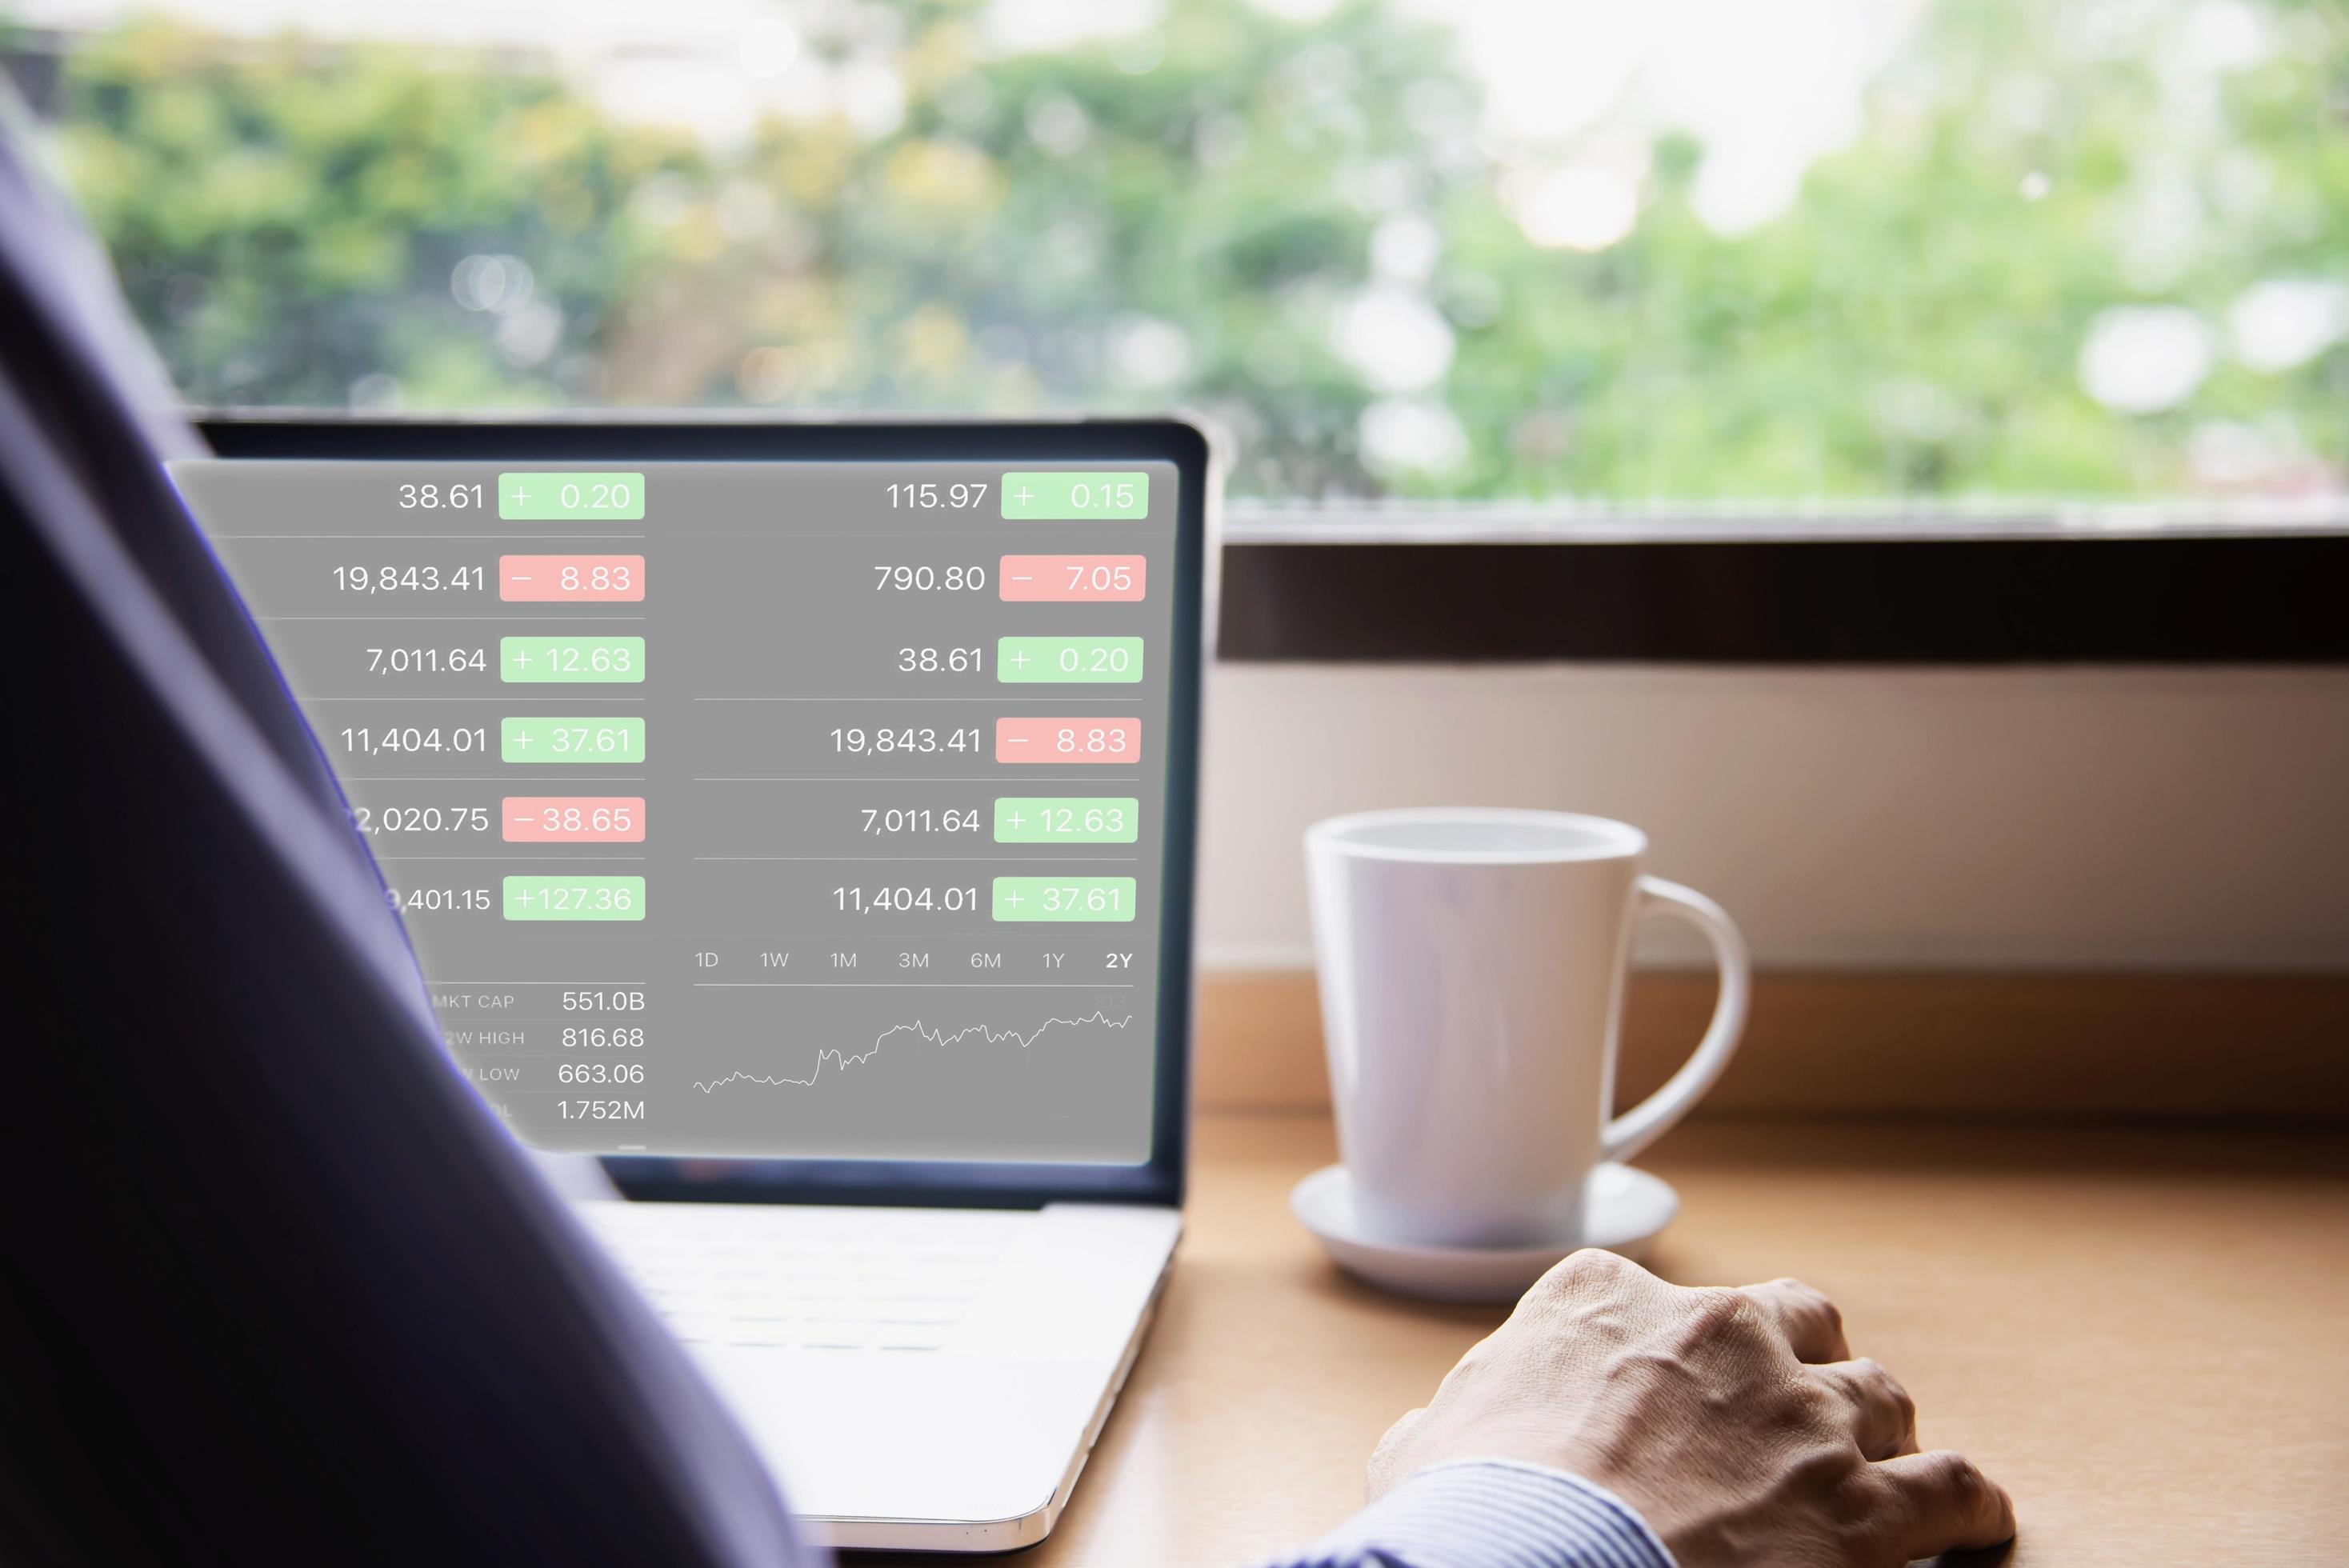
{"points": [[1869, 817]]}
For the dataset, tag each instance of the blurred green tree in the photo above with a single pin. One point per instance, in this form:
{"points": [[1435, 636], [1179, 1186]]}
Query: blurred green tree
{"points": [[2047, 265], [289, 220]]}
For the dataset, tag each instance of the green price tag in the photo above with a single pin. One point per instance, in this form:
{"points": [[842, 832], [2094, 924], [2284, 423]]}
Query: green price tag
{"points": [[1074, 496], [571, 661], [1064, 898], [557, 497]]}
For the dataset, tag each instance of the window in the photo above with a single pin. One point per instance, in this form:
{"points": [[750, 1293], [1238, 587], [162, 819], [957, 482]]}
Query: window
{"points": [[1952, 252]]}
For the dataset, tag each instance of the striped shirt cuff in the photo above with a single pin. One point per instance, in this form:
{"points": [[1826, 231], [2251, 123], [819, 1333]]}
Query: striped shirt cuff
{"points": [[1490, 1513]]}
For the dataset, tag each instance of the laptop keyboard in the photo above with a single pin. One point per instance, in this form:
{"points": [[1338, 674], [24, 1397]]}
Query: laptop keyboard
{"points": [[779, 1276]]}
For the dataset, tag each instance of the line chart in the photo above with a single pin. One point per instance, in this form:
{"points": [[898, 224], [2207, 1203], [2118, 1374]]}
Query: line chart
{"points": [[939, 1038]]}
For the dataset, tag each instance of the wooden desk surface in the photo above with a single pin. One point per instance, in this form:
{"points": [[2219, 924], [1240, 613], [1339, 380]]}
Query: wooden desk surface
{"points": [[2143, 1334]]}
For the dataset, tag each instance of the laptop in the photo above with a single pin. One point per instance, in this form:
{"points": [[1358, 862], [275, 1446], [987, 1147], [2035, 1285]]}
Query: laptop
{"points": [[797, 820]]}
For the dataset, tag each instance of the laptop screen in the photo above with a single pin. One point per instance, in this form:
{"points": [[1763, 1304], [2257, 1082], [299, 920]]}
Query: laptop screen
{"points": [[776, 809]]}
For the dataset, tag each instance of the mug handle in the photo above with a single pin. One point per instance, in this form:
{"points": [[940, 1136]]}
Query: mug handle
{"points": [[1645, 1122]]}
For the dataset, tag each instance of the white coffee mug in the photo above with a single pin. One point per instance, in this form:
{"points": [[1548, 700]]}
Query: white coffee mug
{"points": [[1471, 967]]}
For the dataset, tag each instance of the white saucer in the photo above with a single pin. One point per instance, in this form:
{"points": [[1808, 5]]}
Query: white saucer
{"points": [[1624, 1211]]}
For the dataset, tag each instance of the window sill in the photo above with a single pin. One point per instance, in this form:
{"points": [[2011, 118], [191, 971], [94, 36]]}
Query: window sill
{"points": [[2233, 583], [1741, 523]]}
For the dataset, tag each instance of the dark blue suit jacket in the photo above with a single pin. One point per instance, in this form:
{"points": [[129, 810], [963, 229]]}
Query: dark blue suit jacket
{"points": [[278, 1287]]}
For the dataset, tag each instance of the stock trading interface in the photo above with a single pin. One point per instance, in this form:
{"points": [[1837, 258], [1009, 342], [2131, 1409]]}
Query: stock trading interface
{"points": [[771, 810]]}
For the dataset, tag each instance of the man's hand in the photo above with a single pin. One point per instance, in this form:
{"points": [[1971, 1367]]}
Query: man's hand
{"points": [[1736, 1421]]}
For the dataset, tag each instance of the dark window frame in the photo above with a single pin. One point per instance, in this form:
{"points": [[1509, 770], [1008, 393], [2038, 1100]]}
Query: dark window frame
{"points": [[2116, 585]]}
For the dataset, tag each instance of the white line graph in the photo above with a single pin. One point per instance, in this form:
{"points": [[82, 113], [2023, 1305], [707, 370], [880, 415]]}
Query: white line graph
{"points": [[939, 1038]]}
